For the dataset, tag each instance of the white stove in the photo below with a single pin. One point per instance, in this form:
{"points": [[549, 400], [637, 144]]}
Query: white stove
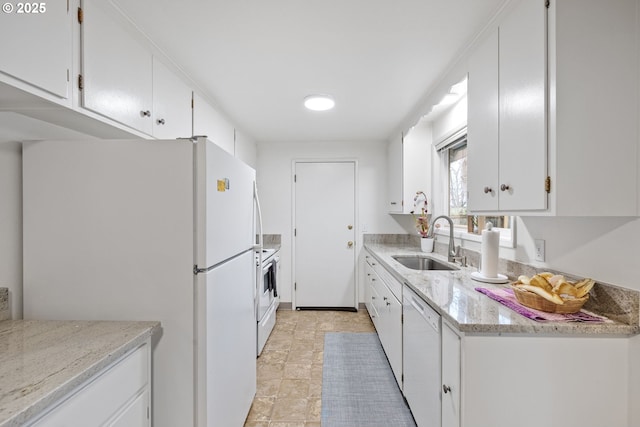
{"points": [[267, 299]]}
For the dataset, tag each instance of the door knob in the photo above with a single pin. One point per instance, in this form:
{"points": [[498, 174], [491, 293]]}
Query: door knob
{"points": [[350, 243], [446, 388]]}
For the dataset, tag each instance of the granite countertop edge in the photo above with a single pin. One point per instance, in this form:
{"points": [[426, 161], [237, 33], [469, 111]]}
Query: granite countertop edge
{"points": [[39, 404], [521, 326]]}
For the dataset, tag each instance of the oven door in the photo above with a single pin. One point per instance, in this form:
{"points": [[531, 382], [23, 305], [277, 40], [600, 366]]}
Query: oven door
{"points": [[265, 292]]}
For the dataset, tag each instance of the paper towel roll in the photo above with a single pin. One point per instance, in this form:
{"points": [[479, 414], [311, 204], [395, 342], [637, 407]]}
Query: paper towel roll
{"points": [[489, 252]]}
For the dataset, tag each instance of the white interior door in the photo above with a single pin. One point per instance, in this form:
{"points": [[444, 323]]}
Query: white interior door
{"points": [[325, 261]]}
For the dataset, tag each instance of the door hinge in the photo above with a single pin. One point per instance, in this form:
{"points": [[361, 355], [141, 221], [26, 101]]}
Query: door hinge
{"points": [[547, 184], [80, 15], [80, 82]]}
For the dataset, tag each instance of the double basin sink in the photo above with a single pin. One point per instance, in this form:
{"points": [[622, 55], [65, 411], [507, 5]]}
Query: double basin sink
{"points": [[417, 262]]}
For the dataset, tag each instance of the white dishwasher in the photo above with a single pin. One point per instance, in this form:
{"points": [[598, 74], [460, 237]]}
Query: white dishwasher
{"points": [[421, 359]]}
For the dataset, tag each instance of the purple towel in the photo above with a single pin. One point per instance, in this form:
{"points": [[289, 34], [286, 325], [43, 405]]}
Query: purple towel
{"points": [[506, 297]]}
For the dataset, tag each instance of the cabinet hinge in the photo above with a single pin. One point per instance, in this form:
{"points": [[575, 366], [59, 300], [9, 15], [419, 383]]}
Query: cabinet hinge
{"points": [[68, 75], [295, 178], [148, 415], [80, 82], [295, 286], [547, 184], [546, 4], [295, 232], [192, 103], [80, 15]]}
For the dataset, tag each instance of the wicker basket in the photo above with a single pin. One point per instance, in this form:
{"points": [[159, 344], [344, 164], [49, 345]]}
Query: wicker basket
{"points": [[537, 302]]}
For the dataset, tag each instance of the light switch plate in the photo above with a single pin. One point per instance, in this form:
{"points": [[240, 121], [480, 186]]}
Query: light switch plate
{"points": [[539, 243]]}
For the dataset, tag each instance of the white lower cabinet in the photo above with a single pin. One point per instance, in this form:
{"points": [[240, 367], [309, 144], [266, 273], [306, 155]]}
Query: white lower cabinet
{"points": [[385, 310], [451, 380], [118, 397]]}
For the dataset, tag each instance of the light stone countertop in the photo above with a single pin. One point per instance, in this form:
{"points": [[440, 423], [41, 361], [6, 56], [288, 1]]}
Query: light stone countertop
{"points": [[42, 361], [453, 295]]}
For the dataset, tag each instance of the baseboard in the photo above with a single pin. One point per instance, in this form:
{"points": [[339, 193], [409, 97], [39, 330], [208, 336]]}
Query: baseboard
{"points": [[288, 306]]}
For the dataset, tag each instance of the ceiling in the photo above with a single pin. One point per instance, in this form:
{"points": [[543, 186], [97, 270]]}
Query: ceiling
{"points": [[258, 59]]}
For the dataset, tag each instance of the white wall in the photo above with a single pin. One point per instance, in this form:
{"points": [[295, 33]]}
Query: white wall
{"points": [[275, 187]]}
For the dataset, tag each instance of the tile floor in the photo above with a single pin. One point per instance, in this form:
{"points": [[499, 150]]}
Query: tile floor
{"points": [[290, 366]]}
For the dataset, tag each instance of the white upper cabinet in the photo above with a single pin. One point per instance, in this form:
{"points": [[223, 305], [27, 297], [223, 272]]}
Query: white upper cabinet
{"points": [[208, 121], [37, 46], [482, 127], [507, 114], [409, 167], [565, 90], [522, 107], [394, 179], [172, 113], [116, 69]]}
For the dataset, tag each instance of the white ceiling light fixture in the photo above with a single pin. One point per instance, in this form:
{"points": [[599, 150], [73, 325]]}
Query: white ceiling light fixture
{"points": [[319, 102]]}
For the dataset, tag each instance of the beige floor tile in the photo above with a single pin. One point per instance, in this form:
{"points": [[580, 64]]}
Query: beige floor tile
{"points": [[273, 356], [315, 387], [268, 388], [313, 409], [300, 356], [294, 388], [288, 424], [270, 371], [297, 371], [289, 409], [312, 424], [303, 345], [261, 409]]}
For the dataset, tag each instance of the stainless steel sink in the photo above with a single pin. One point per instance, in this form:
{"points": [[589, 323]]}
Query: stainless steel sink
{"points": [[416, 262]]}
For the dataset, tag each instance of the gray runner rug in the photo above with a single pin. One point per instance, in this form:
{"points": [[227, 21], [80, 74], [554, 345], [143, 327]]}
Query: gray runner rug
{"points": [[358, 386]]}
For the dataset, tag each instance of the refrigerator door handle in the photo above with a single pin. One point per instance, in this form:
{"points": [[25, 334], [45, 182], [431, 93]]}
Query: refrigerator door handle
{"points": [[258, 247]]}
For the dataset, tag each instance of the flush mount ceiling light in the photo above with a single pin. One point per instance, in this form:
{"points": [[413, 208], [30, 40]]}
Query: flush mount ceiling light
{"points": [[319, 102]]}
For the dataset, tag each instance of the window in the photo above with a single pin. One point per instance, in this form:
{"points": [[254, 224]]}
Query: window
{"points": [[453, 166], [458, 184]]}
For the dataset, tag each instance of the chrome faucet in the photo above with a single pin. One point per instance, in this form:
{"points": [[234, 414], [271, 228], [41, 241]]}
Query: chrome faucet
{"points": [[453, 253]]}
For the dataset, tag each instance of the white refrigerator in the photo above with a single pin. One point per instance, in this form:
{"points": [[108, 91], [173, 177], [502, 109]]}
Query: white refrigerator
{"points": [[151, 230]]}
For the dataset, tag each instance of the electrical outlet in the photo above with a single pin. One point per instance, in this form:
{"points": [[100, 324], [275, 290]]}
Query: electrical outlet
{"points": [[539, 250]]}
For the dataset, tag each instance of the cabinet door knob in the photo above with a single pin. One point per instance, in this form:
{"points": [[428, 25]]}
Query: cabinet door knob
{"points": [[350, 243], [350, 227], [445, 388], [487, 190], [388, 303], [504, 187], [160, 121], [146, 113]]}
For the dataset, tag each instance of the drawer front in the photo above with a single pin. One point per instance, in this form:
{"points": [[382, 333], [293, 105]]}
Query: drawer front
{"points": [[102, 398], [392, 283]]}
